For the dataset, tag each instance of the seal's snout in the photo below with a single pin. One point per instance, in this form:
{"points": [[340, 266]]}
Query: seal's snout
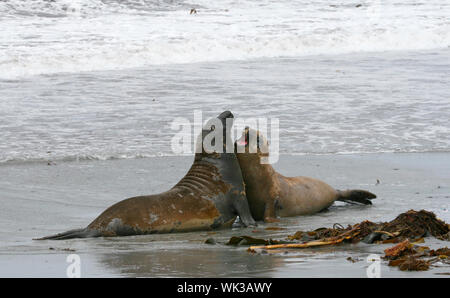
{"points": [[242, 141]]}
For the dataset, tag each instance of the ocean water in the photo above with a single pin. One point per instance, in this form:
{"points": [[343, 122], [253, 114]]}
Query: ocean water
{"points": [[92, 79], [42, 37]]}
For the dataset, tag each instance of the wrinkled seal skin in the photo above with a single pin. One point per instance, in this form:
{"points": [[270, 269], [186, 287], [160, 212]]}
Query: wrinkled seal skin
{"points": [[210, 196], [271, 194]]}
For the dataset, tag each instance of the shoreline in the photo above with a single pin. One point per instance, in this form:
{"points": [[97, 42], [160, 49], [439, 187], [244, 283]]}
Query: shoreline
{"points": [[82, 159]]}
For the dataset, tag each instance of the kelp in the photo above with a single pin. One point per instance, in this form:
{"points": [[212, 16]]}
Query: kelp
{"points": [[411, 257], [412, 225], [407, 230], [337, 233], [247, 240]]}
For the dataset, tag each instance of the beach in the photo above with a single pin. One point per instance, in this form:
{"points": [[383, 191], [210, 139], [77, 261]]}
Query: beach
{"points": [[38, 200]]}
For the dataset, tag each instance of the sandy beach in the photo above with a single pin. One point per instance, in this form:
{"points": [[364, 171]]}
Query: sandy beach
{"points": [[40, 199]]}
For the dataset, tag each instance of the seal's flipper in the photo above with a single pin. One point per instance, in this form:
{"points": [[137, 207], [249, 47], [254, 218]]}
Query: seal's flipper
{"points": [[243, 210], [355, 196], [269, 212], [77, 233], [248, 220]]}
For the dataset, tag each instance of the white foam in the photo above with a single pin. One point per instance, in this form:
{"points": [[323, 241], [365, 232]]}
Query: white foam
{"points": [[71, 36]]}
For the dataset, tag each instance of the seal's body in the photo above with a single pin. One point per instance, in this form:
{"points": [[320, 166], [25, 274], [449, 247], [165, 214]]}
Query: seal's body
{"points": [[270, 194], [211, 195]]}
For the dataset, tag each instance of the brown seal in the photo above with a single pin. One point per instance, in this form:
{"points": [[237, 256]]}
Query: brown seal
{"points": [[270, 194], [210, 196]]}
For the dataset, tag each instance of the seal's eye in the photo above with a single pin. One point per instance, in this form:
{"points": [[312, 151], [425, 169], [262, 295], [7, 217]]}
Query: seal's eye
{"points": [[213, 127]]}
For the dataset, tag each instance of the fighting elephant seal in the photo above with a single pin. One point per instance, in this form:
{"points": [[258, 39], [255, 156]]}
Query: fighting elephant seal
{"points": [[210, 196], [270, 194]]}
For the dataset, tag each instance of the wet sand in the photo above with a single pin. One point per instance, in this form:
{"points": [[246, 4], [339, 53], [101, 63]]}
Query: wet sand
{"points": [[39, 199]]}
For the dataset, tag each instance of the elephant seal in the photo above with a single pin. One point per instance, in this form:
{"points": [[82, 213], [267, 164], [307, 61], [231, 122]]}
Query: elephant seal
{"points": [[211, 195], [270, 194]]}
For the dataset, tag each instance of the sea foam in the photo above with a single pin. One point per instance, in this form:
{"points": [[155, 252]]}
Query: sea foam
{"points": [[43, 37]]}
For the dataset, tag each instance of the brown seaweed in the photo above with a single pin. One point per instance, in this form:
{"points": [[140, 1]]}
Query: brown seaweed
{"points": [[411, 225], [247, 240], [407, 230]]}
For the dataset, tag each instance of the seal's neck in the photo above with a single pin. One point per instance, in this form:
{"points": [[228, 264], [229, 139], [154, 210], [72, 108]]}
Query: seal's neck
{"points": [[254, 173], [203, 176]]}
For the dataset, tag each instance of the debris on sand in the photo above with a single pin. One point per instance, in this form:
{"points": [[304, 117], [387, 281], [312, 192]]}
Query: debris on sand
{"points": [[417, 224], [406, 231], [406, 257], [247, 240], [411, 225], [401, 249], [414, 264], [353, 260], [410, 257], [211, 241], [441, 252], [274, 229], [62, 249]]}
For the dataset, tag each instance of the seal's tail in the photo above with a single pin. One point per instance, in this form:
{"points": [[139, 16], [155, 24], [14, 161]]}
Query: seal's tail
{"points": [[355, 196], [77, 233]]}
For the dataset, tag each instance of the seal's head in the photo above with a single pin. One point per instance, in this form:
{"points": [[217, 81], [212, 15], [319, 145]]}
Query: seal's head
{"points": [[216, 135], [252, 142]]}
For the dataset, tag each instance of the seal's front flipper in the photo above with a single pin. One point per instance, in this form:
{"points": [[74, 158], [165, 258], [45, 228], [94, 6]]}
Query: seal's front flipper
{"points": [[247, 219], [269, 212], [354, 196], [243, 210]]}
